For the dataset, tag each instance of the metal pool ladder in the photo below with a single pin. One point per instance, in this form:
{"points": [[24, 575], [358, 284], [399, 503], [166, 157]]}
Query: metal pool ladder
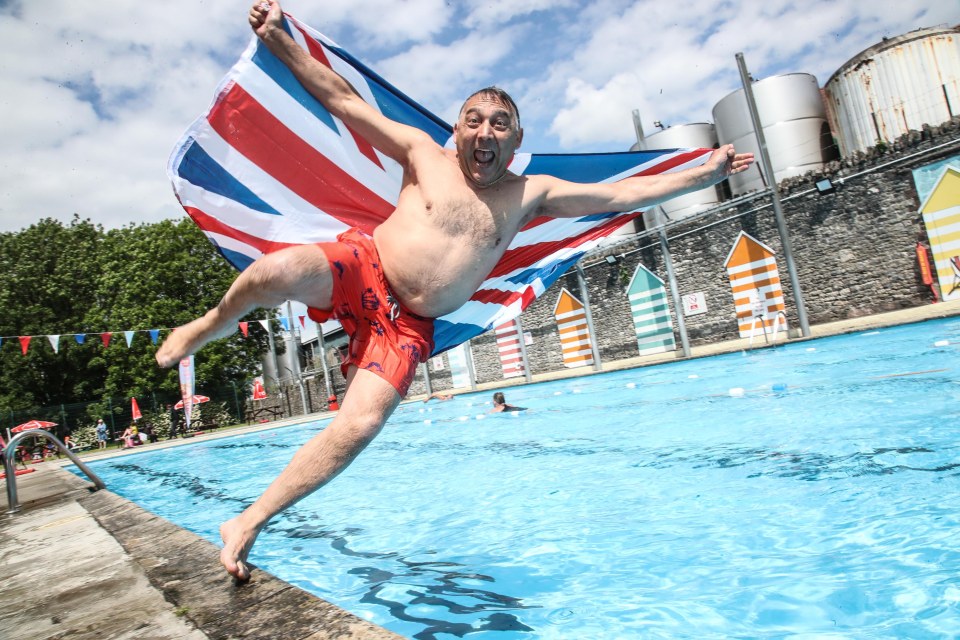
{"points": [[9, 463]]}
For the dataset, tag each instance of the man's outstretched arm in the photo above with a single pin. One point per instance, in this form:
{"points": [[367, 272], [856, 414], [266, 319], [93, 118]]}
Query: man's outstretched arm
{"points": [[562, 199], [332, 90]]}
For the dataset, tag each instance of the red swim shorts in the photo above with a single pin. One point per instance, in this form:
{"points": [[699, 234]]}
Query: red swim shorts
{"points": [[362, 302]]}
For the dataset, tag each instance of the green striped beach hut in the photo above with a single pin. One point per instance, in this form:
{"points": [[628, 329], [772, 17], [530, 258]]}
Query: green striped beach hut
{"points": [[651, 312]]}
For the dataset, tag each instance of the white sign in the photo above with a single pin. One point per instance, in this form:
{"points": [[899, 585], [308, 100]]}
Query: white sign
{"points": [[436, 363], [527, 339], [694, 304]]}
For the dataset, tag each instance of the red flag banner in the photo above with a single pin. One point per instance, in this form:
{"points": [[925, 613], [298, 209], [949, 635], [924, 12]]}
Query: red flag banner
{"points": [[105, 338], [244, 329], [24, 344]]}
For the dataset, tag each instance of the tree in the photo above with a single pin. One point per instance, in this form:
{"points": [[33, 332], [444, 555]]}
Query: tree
{"points": [[79, 279]]}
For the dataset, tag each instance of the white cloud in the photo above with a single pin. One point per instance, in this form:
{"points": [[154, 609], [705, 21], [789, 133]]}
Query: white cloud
{"points": [[440, 75], [499, 12], [377, 23], [93, 98]]}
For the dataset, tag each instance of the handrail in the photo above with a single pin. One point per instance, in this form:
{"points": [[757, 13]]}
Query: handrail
{"points": [[9, 464]]}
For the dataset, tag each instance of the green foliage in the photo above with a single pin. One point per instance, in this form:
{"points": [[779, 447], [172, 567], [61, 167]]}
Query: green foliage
{"points": [[86, 435], [215, 412], [78, 278]]}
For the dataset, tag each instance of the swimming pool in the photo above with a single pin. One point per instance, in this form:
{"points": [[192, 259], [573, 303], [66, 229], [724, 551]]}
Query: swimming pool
{"points": [[808, 490]]}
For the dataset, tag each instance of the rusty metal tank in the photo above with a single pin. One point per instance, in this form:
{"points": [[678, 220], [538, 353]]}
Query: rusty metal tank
{"points": [[795, 127], [897, 85]]}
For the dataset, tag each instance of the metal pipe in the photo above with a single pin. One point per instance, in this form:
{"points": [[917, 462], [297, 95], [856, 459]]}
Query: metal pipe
{"points": [[294, 358], [468, 352], [774, 196], [523, 352], [9, 464], [426, 378], [674, 293], [323, 359], [597, 365]]}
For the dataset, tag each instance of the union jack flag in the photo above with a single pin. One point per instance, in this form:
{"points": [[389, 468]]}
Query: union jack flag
{"points": [[268, 167]]}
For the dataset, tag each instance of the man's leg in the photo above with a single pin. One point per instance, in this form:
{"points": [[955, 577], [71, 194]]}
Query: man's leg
{"points": [[367, 404], [299, 273]]}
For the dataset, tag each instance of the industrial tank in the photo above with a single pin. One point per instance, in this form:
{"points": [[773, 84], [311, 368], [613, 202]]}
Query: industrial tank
{"points": [[700, 135], [899, 84], [794, 123]]}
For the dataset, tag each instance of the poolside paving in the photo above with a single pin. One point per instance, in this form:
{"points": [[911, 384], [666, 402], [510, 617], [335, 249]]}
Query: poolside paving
{"points": [[82, 564]]}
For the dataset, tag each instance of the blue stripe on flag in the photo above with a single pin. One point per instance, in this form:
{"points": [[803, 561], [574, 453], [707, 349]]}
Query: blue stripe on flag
{"points": [[239, 260], [588, 167], [198, 168], [279, 73], [547, 274], [394, 104]]}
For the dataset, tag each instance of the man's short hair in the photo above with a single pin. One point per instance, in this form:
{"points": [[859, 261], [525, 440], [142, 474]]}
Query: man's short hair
{"points": [[498, 94], [498, 398]]}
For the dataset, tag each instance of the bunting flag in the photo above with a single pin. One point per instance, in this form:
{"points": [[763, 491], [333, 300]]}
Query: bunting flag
{"points": [[129, 336], [268, 167], [303, 321], [54, 342], [285, 323], [105, 339], [243, 329], [24, 344], [265, 324], [154, 334], [80, 338]]}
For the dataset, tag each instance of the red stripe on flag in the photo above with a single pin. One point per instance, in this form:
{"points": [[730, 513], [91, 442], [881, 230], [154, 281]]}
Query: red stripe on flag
{"points": [[523, 257], [670, 163], [267, 142], [210, 224], [362, 145]]}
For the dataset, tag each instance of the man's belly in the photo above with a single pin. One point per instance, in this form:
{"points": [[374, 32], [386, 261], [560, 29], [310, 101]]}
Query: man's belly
{"points": [[428, 279]]}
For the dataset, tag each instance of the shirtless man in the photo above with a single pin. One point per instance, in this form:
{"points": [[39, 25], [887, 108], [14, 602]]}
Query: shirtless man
{"points": [[456, 214]]}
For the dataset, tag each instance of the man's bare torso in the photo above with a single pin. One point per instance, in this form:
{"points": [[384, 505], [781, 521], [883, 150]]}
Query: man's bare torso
{"points": [[446, 236]]}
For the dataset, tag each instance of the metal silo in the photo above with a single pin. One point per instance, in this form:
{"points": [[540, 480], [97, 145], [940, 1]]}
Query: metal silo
{"points": [[899, 84], [700, 135], [794, 123]]}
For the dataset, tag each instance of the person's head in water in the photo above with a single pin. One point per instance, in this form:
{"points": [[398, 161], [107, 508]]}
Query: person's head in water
{"points": [[487, 134], [498, 398]]}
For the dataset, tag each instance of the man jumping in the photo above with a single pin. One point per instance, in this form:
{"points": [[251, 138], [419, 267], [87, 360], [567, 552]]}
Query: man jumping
{"points": [[456, 214]]}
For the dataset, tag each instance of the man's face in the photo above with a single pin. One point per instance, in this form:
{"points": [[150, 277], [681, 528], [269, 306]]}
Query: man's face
{"points": [[487, 135]]}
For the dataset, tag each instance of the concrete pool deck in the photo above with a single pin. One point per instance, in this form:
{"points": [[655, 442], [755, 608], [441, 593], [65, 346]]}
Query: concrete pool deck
{"points": [[82, 564]]}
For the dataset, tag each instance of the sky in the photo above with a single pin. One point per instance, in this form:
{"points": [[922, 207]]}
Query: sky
{"points": [[94, 96]]}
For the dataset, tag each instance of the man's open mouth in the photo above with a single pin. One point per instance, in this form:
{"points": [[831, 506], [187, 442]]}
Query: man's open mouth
{"points": [[483, 156]]}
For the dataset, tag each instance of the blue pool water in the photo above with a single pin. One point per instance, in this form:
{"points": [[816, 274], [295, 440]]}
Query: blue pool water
{"points": [[809, 490]]}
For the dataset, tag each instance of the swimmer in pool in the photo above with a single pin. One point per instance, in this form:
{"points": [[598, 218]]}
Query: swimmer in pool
{"points": [[500, 404]]}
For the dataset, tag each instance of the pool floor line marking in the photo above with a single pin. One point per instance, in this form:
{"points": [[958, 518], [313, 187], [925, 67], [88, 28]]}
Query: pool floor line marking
{"points": [[909, 373]]}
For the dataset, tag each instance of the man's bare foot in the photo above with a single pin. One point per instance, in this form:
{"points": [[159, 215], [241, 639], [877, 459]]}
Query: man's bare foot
{"points": [[182, 342], [237, 542]]}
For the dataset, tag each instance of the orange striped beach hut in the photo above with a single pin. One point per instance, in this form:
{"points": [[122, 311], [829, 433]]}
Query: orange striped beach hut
{"points": [[574, 332], [755, 284]]}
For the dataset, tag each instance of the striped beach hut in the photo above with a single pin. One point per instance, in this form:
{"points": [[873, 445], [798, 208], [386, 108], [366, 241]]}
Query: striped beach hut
{"points": [[941, 216], [508, 344], [755, 284], [651, 312], [574, 331]]}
